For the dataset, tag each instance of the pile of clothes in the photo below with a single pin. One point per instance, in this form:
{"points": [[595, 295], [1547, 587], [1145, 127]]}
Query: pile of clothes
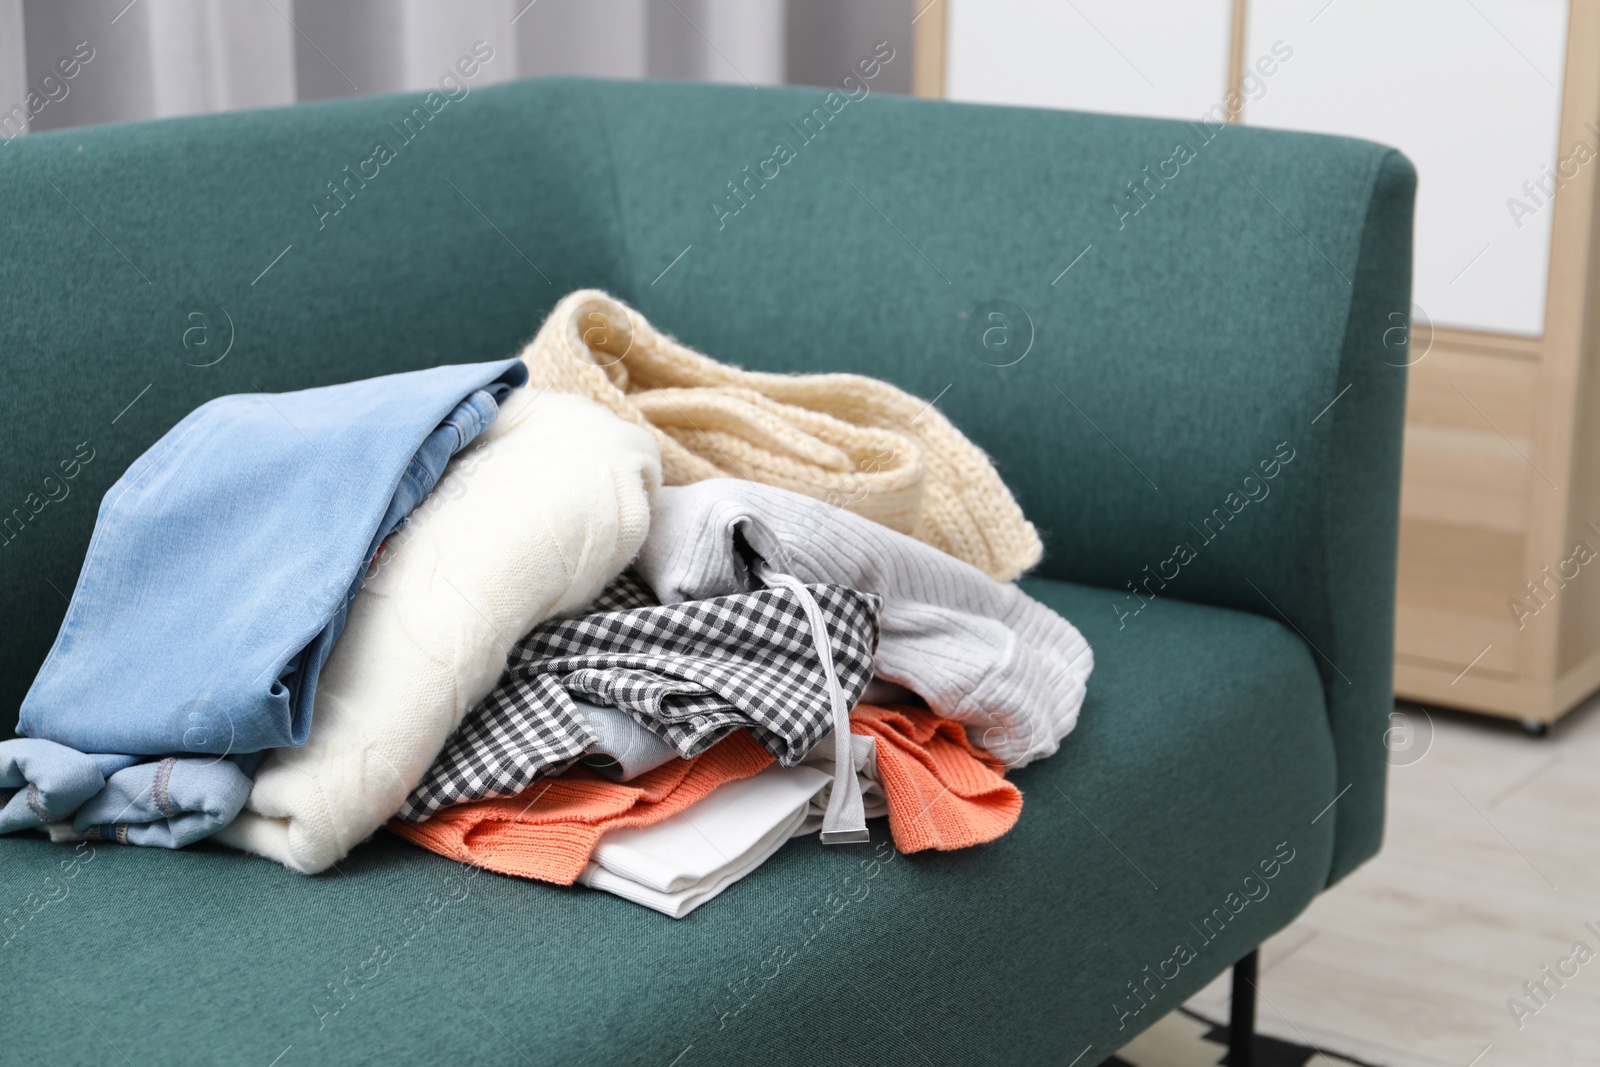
{"points": [[609, 613]]}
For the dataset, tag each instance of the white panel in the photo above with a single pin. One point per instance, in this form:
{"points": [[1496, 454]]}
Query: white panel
{"points": [[1469, 90], [1134, 57]]}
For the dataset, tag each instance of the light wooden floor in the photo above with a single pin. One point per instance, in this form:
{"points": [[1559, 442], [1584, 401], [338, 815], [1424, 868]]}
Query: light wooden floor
{"points": [[1490, 870], [1180, 1041]]}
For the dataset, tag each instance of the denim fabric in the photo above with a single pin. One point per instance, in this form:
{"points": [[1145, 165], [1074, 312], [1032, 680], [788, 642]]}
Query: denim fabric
{"points": [[224, 560], [623, 749], [171, 802], [470, 418], [42, 782], [167, 803]]}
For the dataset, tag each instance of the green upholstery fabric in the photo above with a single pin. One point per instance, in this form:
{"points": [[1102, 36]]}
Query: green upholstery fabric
{"points": [[1204, 745], [1263, 281]]}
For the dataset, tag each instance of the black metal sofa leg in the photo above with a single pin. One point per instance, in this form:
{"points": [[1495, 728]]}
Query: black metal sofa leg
{"points": [[1242, 1019]]}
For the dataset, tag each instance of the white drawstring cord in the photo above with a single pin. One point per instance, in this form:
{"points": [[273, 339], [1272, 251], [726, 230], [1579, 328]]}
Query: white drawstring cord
{"points": [[845, 821]]}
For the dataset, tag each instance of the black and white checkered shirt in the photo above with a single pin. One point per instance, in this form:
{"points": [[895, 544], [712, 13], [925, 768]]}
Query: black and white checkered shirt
{"points": [[690, 672]]}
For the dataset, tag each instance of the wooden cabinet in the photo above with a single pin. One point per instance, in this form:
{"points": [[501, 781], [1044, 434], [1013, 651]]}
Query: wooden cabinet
{"points": [[1498, 104]]}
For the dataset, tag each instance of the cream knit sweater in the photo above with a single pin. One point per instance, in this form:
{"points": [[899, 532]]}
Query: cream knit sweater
{"points": [[855, 442], [530, 521]]}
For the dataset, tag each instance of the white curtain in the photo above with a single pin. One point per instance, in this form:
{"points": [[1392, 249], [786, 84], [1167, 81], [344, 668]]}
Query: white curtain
{"points": [[717, 40], [75, 62], [13, 52]]}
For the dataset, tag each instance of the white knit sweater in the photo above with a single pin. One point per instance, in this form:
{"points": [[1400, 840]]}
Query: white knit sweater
{"points": [[531, 521], [978, 651]]}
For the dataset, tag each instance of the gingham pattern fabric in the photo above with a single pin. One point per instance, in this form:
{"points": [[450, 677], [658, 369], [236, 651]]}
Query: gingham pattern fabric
{"points": [[690, 672]]}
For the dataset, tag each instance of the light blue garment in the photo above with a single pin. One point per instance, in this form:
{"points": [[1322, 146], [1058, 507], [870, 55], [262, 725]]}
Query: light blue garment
{"points": [[167, 803], [224, 560], [623, 749], [170, 802], [42, 782], [470, 418]]}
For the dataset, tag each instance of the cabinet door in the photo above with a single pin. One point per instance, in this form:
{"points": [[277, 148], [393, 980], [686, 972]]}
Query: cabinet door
{"points": [[1134, 57], [1469, 89]]}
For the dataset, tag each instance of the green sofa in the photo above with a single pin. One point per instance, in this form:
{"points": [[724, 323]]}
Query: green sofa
{"points": [[1187, 365]]}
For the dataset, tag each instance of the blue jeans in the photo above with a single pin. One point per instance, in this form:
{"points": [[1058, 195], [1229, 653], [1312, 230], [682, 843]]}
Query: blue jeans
{"points": [[224, 560], [170, 802], [165, 803], [42, 782]]}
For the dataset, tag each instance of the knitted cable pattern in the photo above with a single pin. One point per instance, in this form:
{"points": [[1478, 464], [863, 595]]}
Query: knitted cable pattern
{"points": [[853, 441]]}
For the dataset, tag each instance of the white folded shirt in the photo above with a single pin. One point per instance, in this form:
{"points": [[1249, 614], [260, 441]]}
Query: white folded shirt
{"points": [[679, 863]]}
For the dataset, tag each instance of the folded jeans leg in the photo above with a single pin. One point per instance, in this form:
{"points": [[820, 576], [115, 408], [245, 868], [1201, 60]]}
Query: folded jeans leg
{"points": [[42, 782], [167, 803]]}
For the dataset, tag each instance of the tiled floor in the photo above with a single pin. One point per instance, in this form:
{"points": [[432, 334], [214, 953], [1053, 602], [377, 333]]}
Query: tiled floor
{"points": [[1490, 873]]}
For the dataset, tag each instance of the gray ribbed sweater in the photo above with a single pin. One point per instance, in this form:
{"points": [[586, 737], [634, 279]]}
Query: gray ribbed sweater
{"points": [[978, 651]]}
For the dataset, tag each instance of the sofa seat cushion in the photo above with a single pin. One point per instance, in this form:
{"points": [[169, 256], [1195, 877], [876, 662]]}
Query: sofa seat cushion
{"points": [[1202, 762]]}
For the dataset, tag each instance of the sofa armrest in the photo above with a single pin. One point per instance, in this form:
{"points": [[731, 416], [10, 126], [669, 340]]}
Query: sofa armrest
{"points": [[1321, 557], [1313, 445], [1350, 600]]}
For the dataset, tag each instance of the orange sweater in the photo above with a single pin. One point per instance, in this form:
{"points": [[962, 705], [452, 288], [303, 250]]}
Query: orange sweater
{"points": [[549, 830], [942, 794]]}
